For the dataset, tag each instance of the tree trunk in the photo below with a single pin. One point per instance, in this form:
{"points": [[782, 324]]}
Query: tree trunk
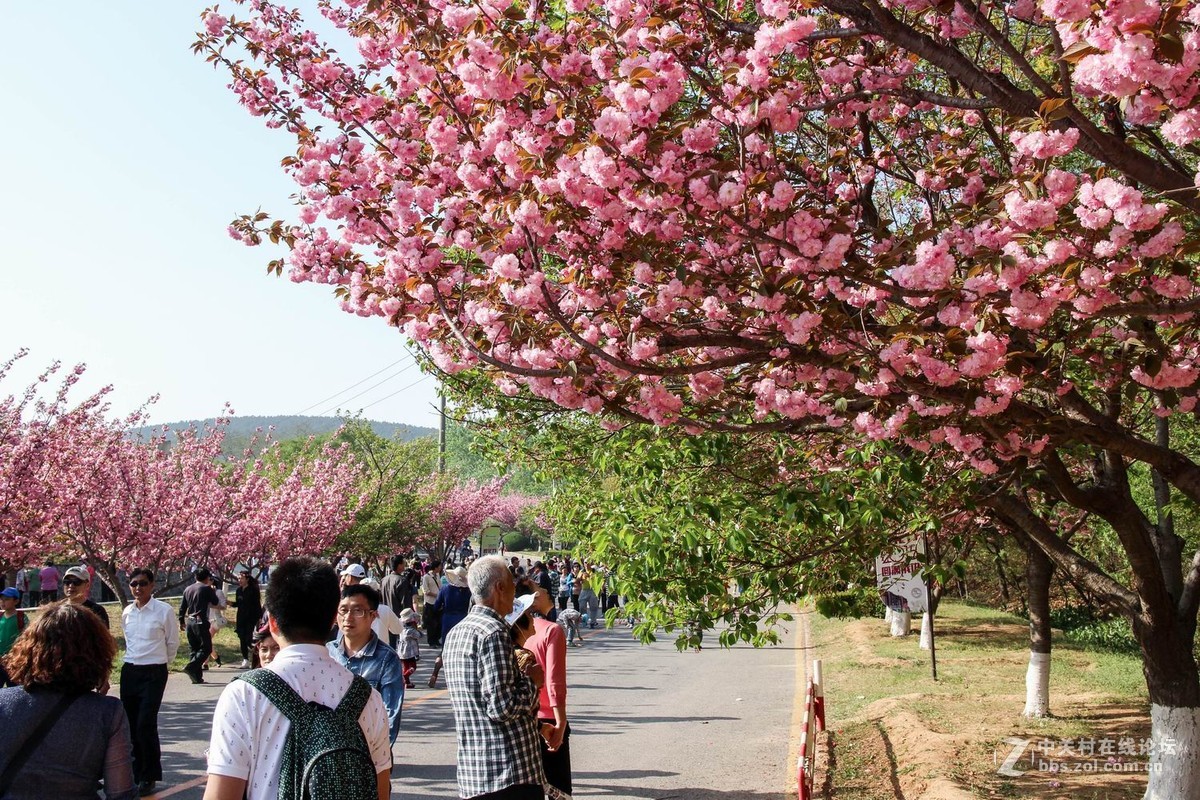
{"points": [[1174, 687], [1174, 769], [1039, 572], [109, 574], [935, 598], [901, 623]]}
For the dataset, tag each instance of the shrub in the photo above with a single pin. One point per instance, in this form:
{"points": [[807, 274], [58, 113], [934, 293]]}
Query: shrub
{"points": [[1109, 634], [515, 540], [850, 604]]}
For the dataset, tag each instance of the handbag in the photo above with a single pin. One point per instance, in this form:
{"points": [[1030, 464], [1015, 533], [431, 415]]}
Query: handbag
{"points": [[35, 739]]}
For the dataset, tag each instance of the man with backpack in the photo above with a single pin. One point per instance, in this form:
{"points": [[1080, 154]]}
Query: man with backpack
{"points": [[304, 725]]}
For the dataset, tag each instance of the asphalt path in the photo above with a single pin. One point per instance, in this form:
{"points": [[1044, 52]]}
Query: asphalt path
{"points": [[647, 721]]}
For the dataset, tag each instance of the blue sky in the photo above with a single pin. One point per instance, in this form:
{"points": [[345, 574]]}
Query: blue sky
{"points": [[124, 159]]}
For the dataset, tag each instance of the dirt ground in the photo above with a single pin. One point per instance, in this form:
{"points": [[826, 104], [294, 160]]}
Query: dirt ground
{"points": [[894, 733]]}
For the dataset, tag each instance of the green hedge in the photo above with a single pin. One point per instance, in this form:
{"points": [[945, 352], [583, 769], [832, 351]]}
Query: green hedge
{"points": [[515, 540]]}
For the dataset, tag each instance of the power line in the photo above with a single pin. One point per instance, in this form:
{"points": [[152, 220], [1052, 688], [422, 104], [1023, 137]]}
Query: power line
{"points": [[397, 374], [393, 394], [351, 386]]}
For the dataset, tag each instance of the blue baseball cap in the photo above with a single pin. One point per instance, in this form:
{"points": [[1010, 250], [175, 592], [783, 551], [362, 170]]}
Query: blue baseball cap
{"points": [[11, 592]]}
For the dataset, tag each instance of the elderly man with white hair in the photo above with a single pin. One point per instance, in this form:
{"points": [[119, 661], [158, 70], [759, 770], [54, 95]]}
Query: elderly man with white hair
{"points": [[495, 705]]}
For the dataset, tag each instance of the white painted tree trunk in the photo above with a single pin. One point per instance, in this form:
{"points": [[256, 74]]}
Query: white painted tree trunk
{"points": [[926, 631], [887, 615], [1175, 762], [901, 623], [1037, 685]]}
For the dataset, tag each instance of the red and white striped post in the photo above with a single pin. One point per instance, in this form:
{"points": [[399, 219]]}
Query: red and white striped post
{"points": [[806, 764], [818, 694], [814, 720]]}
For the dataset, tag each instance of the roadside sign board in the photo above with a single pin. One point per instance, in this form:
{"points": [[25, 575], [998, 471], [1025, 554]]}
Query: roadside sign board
{"points": [[898, 576], [489, 538]]}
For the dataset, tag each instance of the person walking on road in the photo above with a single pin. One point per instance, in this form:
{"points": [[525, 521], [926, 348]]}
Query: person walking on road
{"points": [[589, 601], [194, 618], [151, 641], [431, 587], [49, 583], [397, 588], [452, 605], [22, 585], [247, 599], [566, 585], [246, 754], [499, 750]]}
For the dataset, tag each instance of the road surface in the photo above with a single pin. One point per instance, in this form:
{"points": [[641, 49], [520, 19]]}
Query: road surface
{"points": [[648, 722]]}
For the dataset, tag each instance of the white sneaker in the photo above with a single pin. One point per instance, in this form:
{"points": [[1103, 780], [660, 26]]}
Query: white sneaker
{"points": [[245, 664]]}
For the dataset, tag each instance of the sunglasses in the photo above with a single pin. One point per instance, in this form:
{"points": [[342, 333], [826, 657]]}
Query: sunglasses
{"points": [[72, 582], [138, 584]]}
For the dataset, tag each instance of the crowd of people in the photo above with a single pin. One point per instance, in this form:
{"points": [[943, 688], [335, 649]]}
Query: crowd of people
{"points": [[330, 635]]}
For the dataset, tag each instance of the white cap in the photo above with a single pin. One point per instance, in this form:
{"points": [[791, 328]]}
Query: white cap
{"points": [[520, 606], [355, 571]]}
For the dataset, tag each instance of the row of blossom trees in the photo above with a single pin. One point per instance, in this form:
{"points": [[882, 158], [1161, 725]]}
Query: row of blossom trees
{"points": [[76, 482]]}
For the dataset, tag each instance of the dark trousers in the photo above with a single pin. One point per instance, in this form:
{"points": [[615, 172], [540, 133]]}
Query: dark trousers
{"points": [[522, 791], [49, 596], [433, 625], [142, 687], [558, 764], [246, 641], [199, 637], [563, 599]]}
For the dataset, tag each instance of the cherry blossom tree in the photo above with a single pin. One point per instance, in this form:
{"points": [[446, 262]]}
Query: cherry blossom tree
{"points": [[30, 426], [457, 509], [965, 226]]}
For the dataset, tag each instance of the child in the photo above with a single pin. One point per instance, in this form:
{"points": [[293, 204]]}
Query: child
{"points": [[410, 645], [571, 621]]}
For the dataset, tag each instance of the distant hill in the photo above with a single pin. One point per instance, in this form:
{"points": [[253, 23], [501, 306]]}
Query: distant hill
{"points": [[242, 429]]}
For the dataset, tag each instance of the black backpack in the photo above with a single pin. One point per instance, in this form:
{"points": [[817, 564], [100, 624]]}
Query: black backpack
{"points": [[326, 755], [411, 581]]}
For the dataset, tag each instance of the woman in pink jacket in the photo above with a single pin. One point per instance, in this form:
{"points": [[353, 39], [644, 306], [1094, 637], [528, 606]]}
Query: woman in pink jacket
{"points": [[548, 644]]}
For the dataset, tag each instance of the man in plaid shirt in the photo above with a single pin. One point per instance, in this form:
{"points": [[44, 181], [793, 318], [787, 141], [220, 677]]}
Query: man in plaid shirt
{"points": [[495, 706]]}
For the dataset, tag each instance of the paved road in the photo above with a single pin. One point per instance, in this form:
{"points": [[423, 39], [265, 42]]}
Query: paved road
{"points": [[647, 722]]}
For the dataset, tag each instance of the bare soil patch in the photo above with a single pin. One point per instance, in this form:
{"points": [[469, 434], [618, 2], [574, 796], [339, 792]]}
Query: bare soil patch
{"points": [[904, 735]]}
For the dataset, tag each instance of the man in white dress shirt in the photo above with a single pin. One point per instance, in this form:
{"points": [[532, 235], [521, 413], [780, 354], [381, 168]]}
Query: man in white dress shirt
{"points": [[151, 639], [249, 732]]}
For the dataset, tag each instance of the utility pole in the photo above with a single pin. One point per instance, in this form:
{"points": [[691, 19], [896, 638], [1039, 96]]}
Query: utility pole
{"points": [[441, 467]]}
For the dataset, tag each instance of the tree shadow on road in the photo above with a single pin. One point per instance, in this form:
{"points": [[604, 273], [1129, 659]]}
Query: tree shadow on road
{"points": [[672, 793]]}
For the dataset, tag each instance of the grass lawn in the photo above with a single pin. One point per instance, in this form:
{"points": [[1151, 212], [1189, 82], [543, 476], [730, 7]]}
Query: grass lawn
{"points": [[225, 642], [897, 733]]}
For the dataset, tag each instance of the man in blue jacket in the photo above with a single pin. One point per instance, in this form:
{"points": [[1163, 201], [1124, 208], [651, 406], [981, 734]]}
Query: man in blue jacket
{"points": [[358, 649]]}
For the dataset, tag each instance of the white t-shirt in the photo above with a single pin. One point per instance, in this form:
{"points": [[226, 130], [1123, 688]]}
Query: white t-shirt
{"points": [[248, 732], [387, 622]]}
